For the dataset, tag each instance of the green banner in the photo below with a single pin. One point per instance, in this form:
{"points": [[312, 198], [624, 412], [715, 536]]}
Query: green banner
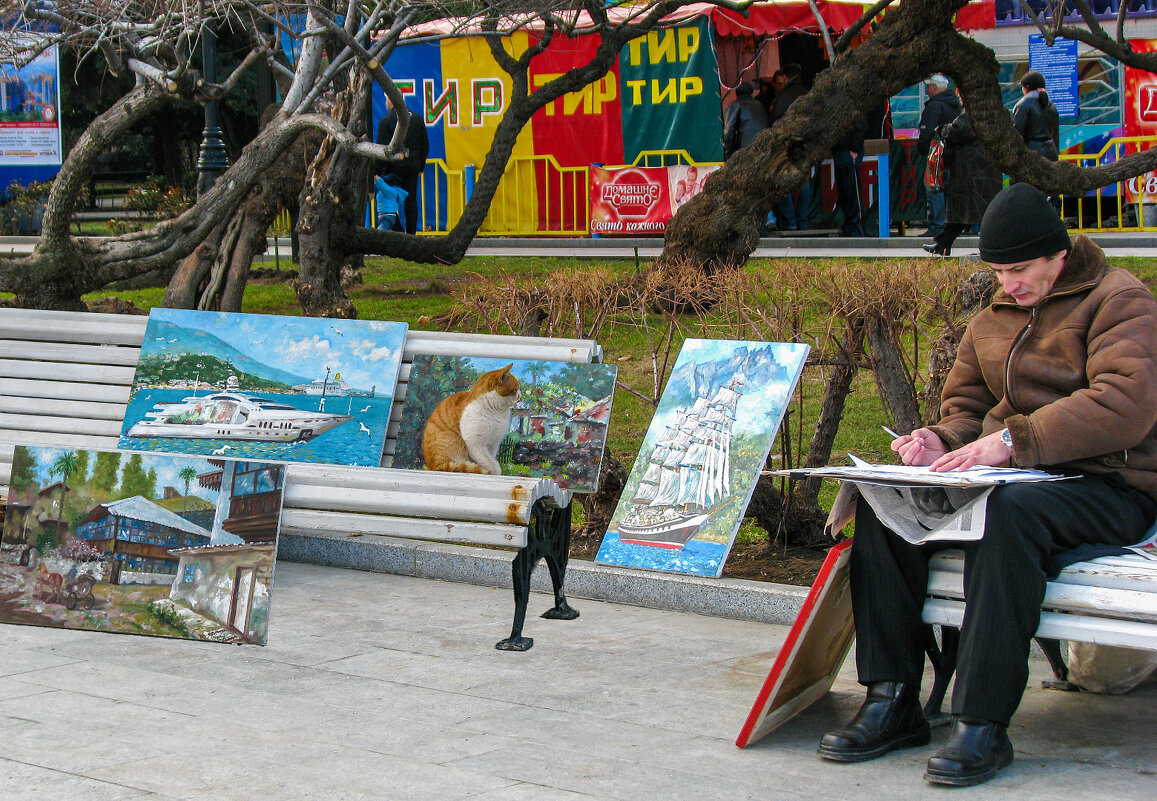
{"points": [[670, 93]]}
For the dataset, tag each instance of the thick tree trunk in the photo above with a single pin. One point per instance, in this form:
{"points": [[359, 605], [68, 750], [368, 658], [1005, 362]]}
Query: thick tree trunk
{"points": [[214, 275], [332, 204], [895, 385], [839, 384]]}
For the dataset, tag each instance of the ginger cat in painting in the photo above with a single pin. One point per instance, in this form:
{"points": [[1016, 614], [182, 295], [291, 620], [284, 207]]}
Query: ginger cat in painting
{"points": [[464, 431]]}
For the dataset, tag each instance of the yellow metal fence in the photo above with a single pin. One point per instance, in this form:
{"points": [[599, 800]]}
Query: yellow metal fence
{"points": [[539, 197], [1109, 208]]}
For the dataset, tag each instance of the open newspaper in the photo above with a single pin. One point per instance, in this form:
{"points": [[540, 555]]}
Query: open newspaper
{"points": [[921, 505]]}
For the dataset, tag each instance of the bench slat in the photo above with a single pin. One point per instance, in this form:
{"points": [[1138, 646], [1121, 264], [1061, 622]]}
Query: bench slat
{"points": [[64, 390], [38, 325], [497, 346], [81, 410], [63, 371], [1061, 626], [58, 352], [505, 488], [414, 504], [1081, 599], [312, 521], [1133, 572], [58, 425], [40, 439]]}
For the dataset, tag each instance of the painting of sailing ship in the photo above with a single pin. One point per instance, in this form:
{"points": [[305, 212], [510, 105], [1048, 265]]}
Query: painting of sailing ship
{"points": [[140, 543], [258, 386], [558, 429], [703, 452]]}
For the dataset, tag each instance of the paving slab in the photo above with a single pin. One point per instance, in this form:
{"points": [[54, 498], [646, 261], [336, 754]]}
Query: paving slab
{"points": [[381, 686]]}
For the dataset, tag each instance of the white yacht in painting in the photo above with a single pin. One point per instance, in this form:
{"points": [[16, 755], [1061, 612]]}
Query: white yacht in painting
{"points": [[689, 474], [234, 415]]}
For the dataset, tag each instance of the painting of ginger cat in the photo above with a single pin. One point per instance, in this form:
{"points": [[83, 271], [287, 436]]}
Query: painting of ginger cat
{"points": [[464, 431]]}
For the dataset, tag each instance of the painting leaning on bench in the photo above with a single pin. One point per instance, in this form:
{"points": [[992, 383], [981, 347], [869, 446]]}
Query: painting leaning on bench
{"points": [[558, 427], [140, 543], [259, 386]]}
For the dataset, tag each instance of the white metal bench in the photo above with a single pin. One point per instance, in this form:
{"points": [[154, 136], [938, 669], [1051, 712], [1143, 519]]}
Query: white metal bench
{"points": [[65, 379], [1108, 601]]}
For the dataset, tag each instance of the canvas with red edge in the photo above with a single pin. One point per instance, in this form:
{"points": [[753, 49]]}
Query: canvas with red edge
{"points": [[813, 652]]}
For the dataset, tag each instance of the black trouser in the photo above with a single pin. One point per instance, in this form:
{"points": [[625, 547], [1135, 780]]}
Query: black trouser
{"points": [[1004, 584], [410, 207]]}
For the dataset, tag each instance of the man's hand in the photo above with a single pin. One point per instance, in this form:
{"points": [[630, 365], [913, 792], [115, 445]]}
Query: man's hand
{"points": [[990, 451], [921, 447]]}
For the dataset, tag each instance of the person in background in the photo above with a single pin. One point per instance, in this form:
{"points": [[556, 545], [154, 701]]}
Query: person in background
{"points": [[847, 155], [409, 169], [744, 119], [941, 108], [972, 183], [1038, 122], [389, 204], [1036, 118], [791, 213], [766, 95], [1057, 373]]}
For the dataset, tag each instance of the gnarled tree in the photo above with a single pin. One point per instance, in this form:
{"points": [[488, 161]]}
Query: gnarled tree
{"points": [[719, 228], [343, 46]]}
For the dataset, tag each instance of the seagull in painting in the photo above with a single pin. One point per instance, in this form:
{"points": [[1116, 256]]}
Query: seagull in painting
{"points": [[259, 342], [221, 451], [363, 411], [363, 428]]}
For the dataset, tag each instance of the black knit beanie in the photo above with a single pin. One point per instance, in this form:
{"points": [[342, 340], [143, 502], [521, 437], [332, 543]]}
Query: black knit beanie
{"points": [[1020, 225]]}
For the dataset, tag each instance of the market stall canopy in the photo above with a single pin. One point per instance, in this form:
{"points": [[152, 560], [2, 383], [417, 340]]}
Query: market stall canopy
{"points": [[762, 19], [767, 19]]}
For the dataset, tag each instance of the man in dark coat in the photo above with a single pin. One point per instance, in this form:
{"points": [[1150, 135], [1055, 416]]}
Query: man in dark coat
{"points": [[1057, 373], [409, 169], [791, 212], [744, 119], [941, 108], [847, 154], [973, 181], [1036, 118]]}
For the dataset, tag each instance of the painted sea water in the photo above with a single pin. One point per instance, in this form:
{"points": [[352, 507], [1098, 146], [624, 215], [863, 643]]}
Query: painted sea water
{"points": [[348, 439]]}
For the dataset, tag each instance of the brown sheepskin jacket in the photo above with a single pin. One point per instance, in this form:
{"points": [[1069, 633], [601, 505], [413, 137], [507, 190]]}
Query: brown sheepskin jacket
{"points": [[1074, 379]]}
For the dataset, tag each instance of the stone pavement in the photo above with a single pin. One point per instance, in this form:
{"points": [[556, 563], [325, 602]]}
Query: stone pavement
{"points": [[378, 686]]}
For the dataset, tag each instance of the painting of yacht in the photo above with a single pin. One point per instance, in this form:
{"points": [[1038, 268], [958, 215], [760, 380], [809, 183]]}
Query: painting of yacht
{"points": [[232, 415], [264, 387], [707, 443]]}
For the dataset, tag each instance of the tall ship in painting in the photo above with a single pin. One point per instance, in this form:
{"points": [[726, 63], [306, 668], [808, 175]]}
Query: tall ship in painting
{"points": [[689, 474], [233, 415]]}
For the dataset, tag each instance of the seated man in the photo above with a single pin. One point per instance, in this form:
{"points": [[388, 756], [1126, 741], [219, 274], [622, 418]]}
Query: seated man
{"points": [[1058, 373]]}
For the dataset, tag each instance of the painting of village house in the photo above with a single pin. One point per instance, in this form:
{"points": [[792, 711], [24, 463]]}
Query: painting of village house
{"points": [[140, 543], [256, 386], [702, 454], [557, 430]]}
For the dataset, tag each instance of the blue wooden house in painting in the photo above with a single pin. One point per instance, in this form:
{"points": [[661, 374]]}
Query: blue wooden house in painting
{"points": [[139, 534]]}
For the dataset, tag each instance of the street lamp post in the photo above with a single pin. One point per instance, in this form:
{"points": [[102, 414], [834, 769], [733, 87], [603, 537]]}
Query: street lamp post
{"points": [[214, 159]]}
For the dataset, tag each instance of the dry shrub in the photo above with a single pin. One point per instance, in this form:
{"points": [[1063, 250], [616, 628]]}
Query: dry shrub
{"points": [[568, 303]]}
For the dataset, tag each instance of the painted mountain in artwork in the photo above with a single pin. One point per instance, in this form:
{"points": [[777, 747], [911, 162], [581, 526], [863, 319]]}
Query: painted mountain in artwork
{"points": [[168, 339]]}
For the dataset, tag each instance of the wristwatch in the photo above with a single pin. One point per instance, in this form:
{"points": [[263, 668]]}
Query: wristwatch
{"points": [[1006, 438]]}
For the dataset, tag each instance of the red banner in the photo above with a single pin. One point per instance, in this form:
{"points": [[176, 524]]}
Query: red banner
{"points": [[634, 201], [1141, 119]]}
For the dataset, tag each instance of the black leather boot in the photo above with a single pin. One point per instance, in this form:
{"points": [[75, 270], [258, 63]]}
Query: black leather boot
{"points": [[890, 718], [975, 751]]}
